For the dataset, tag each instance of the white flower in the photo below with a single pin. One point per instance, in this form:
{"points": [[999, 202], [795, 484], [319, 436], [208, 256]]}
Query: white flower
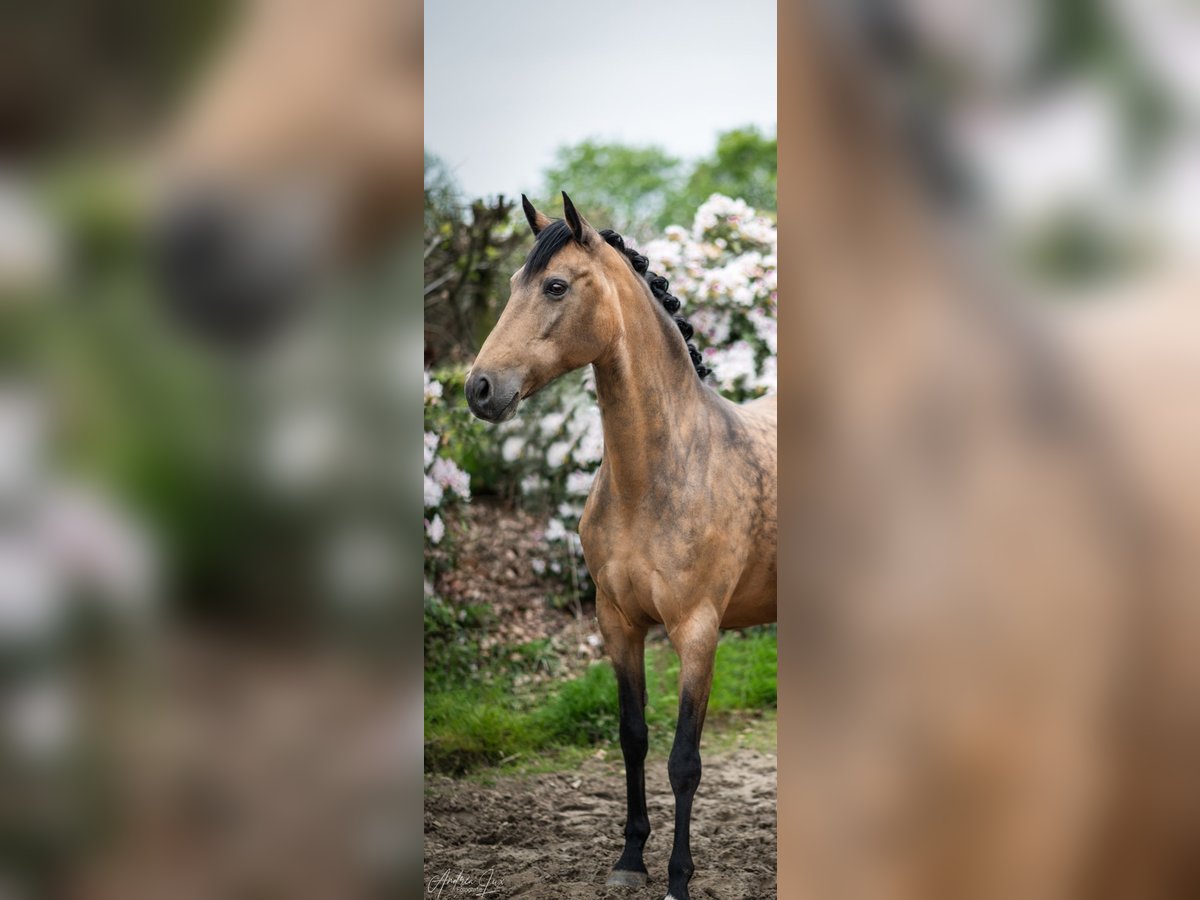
{"points": [[768, 380], [557, 454], [303, 446], [579, 483], [590, 448], [98, 547], [450, 477], [31, 595], [552, 423], [766, 328], [511, 449], [758, 231], [712, 325], [433, 493], [435, 529], [717, 208], [555, 530], [733, 363], [431, 445], [538, 566], [664, 255], [433, 389], [576, 423]]}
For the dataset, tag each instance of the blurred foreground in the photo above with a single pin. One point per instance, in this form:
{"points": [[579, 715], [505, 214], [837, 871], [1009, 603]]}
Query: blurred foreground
{"points": [[990, 592], [209, 369]]}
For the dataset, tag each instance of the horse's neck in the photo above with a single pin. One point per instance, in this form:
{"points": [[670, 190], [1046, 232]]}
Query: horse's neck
{"points": [[651, 402]]}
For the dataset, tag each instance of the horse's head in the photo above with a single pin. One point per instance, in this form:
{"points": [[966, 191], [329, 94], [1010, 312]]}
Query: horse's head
{"points": [[300, 150], [563, 313]]}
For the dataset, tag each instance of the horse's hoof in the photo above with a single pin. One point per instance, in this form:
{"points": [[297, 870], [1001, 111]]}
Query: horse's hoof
{"points": [[624, 878]]}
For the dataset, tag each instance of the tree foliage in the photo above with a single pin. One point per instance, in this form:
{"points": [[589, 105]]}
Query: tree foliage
{"points": [[743, 165], [472, 246], [624, 187], [639, 190]]}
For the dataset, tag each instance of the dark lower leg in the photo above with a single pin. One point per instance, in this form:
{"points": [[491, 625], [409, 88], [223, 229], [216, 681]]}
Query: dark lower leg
{"points": [[634, 741], [683, 767]]}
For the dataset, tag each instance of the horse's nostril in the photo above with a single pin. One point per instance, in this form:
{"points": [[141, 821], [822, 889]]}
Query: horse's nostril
{"points": [[483, 389]]}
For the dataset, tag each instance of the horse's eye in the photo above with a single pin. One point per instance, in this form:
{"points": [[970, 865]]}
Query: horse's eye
{"points": [[555, 288]]}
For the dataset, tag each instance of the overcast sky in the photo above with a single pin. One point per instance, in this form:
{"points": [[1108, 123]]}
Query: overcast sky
{"points": [[506, 83]]}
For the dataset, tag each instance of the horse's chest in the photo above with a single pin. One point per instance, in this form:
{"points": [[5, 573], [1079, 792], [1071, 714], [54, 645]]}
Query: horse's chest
{"points": [[649, 564], [623, 551], [607, 540]]}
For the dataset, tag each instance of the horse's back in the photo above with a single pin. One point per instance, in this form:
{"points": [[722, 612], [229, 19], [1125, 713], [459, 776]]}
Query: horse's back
{"points": [[762, 409]]}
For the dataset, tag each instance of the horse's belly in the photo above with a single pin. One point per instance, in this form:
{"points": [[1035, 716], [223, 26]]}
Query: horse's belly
{"points": [[754, 599]]}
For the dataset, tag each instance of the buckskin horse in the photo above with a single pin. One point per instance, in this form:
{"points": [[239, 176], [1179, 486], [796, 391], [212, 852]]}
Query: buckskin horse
{"points": [[680, 526]]}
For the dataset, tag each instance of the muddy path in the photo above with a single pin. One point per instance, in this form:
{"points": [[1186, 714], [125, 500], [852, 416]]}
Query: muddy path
{"points": [[557, 835]]}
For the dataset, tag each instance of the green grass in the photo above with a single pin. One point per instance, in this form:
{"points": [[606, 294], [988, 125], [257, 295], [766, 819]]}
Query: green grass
{"points": [[484, 720]]}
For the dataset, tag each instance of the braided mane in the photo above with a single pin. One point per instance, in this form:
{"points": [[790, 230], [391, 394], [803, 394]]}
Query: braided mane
{"points": [[658, 287]]}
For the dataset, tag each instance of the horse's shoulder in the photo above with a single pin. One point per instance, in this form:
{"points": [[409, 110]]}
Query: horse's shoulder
{"points": [[749, 430]]}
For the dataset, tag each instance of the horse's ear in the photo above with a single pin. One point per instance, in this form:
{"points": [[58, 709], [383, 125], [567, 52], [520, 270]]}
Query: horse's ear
{"points": [[582, 231], [537, 220]]}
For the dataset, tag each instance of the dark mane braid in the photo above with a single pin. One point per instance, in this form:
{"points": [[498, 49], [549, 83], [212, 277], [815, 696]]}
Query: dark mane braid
{"points": [[658, 287]]}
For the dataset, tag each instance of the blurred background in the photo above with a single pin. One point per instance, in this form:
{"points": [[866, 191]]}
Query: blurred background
{"points": [[1073, 125], [209, 369]]}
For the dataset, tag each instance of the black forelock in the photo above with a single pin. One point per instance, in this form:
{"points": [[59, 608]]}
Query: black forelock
{"points": [[549, 241]]}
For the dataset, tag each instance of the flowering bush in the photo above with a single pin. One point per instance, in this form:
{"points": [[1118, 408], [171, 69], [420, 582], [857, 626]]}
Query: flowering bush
{"points": [[445, 483], [723, 270], [557, 453]]}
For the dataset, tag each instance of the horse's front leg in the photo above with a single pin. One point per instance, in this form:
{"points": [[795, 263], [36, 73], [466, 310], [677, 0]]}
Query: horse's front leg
{"points": [[695, 641], [625, 645]]}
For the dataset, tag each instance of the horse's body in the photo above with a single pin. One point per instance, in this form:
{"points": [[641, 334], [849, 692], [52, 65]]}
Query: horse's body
{"points": [[711, 485], [680, 525]]}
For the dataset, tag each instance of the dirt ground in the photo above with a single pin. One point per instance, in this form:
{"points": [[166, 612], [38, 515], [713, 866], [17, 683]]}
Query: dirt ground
{"points": [[556, 836]]}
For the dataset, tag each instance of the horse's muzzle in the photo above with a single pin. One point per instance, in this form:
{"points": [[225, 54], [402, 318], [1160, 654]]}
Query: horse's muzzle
{"points": [[493, 397], [219, 277]]}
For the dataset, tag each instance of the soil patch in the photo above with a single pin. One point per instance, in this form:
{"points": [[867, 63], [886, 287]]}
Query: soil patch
{"points": [[556, 836]]}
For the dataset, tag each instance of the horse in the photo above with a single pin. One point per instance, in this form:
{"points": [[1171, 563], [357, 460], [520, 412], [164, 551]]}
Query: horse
{"points": [[680, 526]]}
